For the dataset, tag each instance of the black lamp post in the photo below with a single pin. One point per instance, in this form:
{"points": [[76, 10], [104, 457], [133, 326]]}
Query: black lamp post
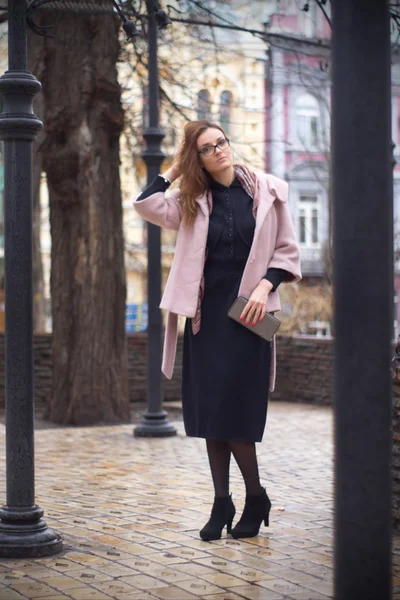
{"points": [[22, 532], [363, 276], [155, 422]]}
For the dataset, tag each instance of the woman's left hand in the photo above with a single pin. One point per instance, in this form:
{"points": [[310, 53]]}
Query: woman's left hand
{"points": [[256, 307]]}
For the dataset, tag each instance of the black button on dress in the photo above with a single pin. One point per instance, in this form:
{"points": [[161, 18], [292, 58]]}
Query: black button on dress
{"points": [[226, 368]]}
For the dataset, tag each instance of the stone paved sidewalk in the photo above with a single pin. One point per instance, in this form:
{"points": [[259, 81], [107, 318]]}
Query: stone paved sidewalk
{"points": [[129, 511]]}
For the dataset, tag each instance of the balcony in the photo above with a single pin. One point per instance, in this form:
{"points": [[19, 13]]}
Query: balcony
{"points": [[312, 261]]}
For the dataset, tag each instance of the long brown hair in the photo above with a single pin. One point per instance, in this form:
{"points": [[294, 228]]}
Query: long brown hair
{"points": [[193, 182]]}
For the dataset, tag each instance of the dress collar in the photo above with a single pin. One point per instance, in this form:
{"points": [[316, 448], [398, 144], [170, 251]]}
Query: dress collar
{"points": [[215, 186]]}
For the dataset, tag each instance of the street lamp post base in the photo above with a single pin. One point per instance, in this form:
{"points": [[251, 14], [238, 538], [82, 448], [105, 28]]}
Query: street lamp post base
{"points": [[21, 537], [155, 424]]}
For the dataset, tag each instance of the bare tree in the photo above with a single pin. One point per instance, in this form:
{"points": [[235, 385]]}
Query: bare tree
{"points": [[83, 120]]}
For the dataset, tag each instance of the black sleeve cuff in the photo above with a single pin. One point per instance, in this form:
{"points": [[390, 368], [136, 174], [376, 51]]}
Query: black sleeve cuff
{"points": [[276, 276], [158, 185]]}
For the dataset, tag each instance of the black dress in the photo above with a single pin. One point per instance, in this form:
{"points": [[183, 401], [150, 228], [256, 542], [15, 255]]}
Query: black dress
{"points": [[226, 368]]}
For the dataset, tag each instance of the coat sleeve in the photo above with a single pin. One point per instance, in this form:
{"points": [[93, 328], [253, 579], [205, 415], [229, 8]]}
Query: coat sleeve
{"points": [[160, 209], [287, 253]]}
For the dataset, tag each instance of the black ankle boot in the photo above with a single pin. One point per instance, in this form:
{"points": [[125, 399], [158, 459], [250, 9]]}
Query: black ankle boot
{"points": [[222, 514], [255, 511]]}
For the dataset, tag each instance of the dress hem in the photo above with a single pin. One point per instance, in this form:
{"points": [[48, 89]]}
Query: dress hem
{"points": [[224, 439]]}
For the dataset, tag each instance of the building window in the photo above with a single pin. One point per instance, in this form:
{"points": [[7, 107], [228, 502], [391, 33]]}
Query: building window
{"points": [[314, 226], [308, 122], [225, 111], [203, 105], [309, 221]]}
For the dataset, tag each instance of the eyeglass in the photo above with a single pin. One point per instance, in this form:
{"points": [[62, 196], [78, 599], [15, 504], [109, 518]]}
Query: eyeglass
{"points": [[210, 150]]}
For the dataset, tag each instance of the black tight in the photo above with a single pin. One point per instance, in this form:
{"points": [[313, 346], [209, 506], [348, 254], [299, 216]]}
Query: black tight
{"points": [[219, 455]]}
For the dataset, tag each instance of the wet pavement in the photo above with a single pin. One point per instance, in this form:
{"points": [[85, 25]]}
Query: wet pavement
{"points": [[129, 511]]}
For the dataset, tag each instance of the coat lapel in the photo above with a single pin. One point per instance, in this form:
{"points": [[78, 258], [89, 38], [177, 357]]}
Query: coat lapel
{"points": [[263, 201], [205, 203]]}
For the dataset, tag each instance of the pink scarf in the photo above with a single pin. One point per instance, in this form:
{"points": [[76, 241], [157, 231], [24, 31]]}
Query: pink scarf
{"points": [[248, 181]]}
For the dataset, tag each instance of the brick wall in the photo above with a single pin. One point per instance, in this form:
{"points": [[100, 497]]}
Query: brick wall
{"points": [[304, 370], [137, 361]]}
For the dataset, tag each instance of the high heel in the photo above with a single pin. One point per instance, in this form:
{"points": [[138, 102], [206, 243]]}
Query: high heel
{"points": [[222, 513], [229, 524], [256, 510]]}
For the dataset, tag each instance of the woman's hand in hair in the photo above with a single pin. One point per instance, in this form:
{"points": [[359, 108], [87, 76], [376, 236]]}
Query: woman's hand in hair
{"points": [[173, 172], [256, 307]]}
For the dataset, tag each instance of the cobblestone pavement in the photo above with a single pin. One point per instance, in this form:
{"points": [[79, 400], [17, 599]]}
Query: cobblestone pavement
{"points": [[129, 511]]}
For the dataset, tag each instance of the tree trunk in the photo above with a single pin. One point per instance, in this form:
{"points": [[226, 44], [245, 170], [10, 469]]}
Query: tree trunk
{"points": [[36, 65], [83, 122]]}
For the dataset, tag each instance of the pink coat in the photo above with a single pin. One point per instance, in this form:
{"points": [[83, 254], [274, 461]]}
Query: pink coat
{"points": [[274, 245]]}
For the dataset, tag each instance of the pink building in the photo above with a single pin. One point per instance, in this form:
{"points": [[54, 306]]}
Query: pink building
{"points": [[297, 132]]}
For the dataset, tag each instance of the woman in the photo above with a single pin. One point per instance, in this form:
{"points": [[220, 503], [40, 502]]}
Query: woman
{"points": [[235, 237]]}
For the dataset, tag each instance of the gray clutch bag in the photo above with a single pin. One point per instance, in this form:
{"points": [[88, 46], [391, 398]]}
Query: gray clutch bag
{"points": [[265, 328]]}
